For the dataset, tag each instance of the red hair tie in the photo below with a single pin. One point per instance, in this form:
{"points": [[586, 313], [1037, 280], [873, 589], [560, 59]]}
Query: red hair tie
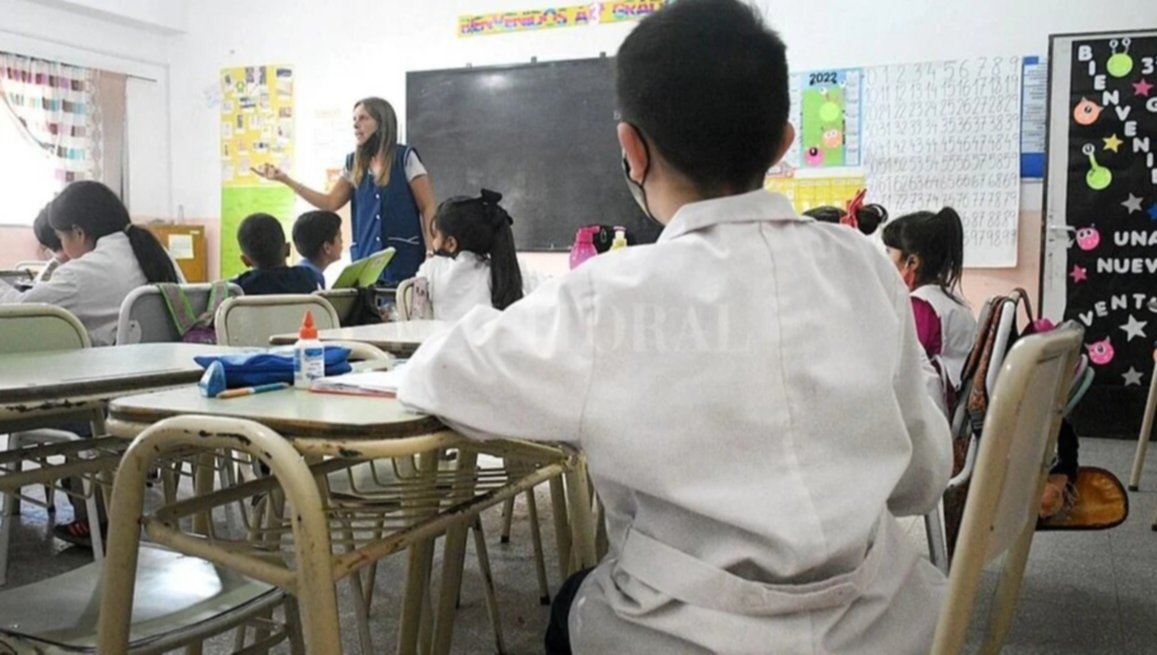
{"points": [[851, 217]]}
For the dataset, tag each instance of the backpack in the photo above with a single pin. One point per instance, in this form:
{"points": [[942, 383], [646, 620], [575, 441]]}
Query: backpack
{"points": [[194, 327]]}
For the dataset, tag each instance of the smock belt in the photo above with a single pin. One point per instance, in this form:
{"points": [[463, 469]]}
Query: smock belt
{"points": [[695, 582]]}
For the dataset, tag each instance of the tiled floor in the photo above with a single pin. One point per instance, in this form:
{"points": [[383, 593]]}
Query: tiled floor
{"points": [[1093, 592]]}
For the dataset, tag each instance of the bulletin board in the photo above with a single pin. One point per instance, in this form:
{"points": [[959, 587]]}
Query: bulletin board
{"points": [[257, 128], [1101, 187]]}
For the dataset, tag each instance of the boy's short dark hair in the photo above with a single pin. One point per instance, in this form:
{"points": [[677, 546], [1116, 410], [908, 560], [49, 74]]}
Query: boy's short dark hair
{"points": [[262, 239], [44, 232], [707, 84], [313, 230]]}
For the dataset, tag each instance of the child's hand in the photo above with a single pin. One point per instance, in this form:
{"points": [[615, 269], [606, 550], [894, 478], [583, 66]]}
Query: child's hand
{"points": [[270, 172]]}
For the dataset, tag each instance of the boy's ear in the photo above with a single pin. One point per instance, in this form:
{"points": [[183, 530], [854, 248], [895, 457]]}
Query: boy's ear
{"points": [[784, 144], [245, 260], [450, 244]]}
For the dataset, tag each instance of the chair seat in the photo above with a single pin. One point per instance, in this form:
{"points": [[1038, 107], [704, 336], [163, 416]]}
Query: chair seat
{"points": [[174, 592]]}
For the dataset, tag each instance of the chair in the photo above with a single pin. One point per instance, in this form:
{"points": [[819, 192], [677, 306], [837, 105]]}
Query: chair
{"points": [[34, 328], [1146, 432], [251, 320], [1020, 430], [180, 601], [343, 301], [145, 317], [32, 266]]}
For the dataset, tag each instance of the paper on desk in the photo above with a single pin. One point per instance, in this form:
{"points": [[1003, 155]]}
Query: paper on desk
{"points": [[372, 383]]}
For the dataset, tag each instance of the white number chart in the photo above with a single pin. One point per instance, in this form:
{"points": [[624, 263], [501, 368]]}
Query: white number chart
{"points": [[948, 133]]}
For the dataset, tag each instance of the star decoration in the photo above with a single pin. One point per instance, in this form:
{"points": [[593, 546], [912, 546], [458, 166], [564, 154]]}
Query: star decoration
{"points": [[1133, 204], [1142, 88], [1079, 274], [1132, 377], [1153, 211], [1134, 328], [1112, 143]]}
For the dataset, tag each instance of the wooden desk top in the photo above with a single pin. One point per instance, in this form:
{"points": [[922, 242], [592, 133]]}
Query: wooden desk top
{"points": [[28, 378], [291, 412]]}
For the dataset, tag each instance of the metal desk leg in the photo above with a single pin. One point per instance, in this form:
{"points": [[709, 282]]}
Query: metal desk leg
{"points": [[454, 555], [421, 557], [1145, 434], [582, 523]]}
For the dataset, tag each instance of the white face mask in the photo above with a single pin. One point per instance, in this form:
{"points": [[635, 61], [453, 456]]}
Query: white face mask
{"points": [[636, 188]]}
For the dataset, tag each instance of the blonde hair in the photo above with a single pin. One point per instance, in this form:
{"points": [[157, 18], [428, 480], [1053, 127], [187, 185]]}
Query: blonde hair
{"points": [[383, 113]]}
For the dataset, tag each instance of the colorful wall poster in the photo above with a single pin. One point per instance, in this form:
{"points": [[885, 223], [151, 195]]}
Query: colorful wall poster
{"points": [[810, 192], [257, 128], [506, 22], [948, 133], [1111, 205], [829, 129]]}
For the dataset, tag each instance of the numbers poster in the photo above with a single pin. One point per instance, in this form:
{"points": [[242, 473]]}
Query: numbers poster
{"points": [[257, 128], [1111, 204], [948, 133], [829, 121]]}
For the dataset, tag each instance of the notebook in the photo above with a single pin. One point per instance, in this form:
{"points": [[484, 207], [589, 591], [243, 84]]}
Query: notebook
{"points": [[364, 272]]}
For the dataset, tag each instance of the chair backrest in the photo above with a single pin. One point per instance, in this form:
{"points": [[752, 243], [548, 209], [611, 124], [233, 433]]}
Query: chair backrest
{"points": [[35, 327], [1020, 431], [145, 317], [32, 266], [342, 300], [404, 299], [251, 320]]}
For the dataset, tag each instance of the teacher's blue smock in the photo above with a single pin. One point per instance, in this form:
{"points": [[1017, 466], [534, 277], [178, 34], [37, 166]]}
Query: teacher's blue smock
{"points": [[387, 217]]}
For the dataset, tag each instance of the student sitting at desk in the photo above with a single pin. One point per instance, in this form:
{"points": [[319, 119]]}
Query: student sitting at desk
{"points": [[264, 250], [50, 242], [749, 390], [928, 250], [108, 258], [474, 260], [317, 237]]}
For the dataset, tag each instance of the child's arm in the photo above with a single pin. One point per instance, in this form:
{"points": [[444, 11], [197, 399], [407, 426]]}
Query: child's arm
{"points": [[917, 388], [522, 373]]}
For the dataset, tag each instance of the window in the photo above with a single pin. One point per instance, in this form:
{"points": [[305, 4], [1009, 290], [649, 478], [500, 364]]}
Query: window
{"points": [[27, 177]]}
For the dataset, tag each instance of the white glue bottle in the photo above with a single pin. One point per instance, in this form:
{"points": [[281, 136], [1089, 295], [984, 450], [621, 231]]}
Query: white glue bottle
{"points": [[308, 355]]}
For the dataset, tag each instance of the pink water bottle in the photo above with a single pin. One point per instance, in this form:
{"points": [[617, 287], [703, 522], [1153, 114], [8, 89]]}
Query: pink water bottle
{"points": [[584, 246]]}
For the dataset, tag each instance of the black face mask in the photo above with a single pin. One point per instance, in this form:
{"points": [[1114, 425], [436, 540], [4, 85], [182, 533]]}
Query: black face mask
{"points": [[636, 188], [372, 144]]}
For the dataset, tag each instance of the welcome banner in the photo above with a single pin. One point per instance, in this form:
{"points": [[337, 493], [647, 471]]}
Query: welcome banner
{"points": [[506, 22]]}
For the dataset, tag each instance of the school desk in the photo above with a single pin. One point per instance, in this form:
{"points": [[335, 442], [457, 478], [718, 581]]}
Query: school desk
{"points": [[57, 384], [331, 431], [400, 338]]}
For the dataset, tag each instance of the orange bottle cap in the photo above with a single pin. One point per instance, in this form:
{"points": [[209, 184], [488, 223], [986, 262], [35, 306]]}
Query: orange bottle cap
{"points": [[308, 329]]}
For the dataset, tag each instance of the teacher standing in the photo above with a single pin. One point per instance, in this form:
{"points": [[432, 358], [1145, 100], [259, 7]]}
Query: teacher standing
{"points": [[393, 201]]}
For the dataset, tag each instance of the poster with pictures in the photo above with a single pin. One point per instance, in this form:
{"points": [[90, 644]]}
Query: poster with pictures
{"points": [[1111, 205], [257, 113]]}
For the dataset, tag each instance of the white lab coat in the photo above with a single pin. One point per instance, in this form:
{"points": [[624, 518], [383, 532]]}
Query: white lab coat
{"points": [[754, 407], [456, 284], [91, 287]]}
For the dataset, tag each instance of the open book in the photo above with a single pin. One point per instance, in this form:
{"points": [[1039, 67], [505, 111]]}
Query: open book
{"points": [[367, 383]]}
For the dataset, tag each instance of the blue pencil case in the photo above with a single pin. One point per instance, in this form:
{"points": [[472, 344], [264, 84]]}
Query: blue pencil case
{"points": [[251, 369]]}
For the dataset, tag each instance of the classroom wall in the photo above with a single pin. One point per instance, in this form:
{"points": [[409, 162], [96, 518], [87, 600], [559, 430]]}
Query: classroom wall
{"points": [[57, 32], [367, 47]]}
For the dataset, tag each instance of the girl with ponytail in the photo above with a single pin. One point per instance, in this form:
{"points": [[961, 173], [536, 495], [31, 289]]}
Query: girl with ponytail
{"points": [[474, 260], [108, 258], [928, 250]]}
